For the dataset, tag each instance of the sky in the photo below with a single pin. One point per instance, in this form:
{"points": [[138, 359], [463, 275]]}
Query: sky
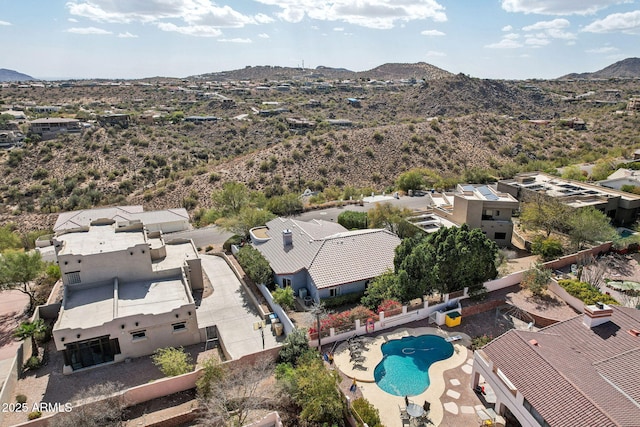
{"points": [[129, 39]]}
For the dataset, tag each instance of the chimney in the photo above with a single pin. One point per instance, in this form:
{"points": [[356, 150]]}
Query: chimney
{"points": [[596, 315], [287, 237]]}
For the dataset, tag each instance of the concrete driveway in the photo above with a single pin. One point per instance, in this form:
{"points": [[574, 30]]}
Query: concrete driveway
{"points": [[230, 308]]}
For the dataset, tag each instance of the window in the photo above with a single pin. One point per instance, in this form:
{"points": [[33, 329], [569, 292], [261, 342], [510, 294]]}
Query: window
{"points": [[182, 326], [500, 236], [73, 278], [286, 283], [334, 292], [535, 413], [139, 335]]}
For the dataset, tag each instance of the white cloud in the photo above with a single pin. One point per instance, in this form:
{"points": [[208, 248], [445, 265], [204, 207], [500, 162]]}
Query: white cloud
{"points": [[5, 23], [88, 30], [507, 28], [505, 44], [72, 20], [435, 53], [236, 40], [263, 36], [558, 7], [338, 29], [511, 36], [605, 49], [537, 42], [546, 25], [618, 22], [191, 30], [432, 33], [200, 16], [379, 14], [127, 35]]}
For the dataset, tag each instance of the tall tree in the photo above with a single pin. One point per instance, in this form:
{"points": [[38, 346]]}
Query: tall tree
{"points": [[385, 215], [539, 212], [9, 239], [18, 270], [231, 199], [245, 220], [590, 225]]}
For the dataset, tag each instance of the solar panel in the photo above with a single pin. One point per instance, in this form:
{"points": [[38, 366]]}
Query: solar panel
{"points": [[487, 193]]}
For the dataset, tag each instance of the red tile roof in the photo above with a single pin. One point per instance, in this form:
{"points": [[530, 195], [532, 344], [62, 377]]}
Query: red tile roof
{"points": [[576, 375]]}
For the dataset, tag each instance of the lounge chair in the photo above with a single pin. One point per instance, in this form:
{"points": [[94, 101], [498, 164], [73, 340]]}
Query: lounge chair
{"points": [[360, 367], [453, 338]]}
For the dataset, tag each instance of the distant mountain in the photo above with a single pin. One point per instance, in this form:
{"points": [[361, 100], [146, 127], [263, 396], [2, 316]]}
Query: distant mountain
{"points": [[420, 70], [626, 69], [13, 76]]}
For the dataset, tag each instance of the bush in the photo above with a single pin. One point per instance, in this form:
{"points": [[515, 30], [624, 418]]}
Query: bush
{"points": [[585, 292], [345, 320], [21, 398], [548, 248], [33, 363], [284, 297], [367, 412], [536, 279], [480, 341], [353, 220], [255, 265], [390, 307], [35, 414], [233, 240], [342, 300], [172, 361]]}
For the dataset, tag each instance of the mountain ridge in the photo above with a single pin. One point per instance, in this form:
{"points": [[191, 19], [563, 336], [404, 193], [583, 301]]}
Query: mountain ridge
{"points": [[7, 75], [624, 69]]}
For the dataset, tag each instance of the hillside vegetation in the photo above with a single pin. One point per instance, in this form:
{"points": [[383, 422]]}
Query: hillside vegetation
{"points": [[452, 124]]}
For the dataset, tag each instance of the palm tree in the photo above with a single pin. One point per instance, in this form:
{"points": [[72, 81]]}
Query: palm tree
{"points": [[30, 330]]}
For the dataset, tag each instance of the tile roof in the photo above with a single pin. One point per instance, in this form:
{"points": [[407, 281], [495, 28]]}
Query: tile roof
{"points": [[575, 375], [332, 254]]}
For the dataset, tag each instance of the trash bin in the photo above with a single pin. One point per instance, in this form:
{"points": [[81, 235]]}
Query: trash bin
{"points": [[453, 319], [278, 329]]}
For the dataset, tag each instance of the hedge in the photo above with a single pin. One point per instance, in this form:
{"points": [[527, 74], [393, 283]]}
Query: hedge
{"points": [[585, 292]]}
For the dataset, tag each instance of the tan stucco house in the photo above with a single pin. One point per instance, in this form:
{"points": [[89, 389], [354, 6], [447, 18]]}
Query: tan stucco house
{"points": [[127, 292]]}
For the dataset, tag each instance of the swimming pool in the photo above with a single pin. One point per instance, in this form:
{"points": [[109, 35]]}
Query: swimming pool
{"points": [[404, 369]]}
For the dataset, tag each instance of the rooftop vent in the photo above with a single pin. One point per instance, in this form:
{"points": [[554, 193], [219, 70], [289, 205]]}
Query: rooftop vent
{"points": [[596, 315], [533, 343]]}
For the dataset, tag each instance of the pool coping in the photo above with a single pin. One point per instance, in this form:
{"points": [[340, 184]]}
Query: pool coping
{"points": [[388, 404]]}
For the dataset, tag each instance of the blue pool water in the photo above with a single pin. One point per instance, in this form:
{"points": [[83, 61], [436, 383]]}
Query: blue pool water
{"points": [[404, 369]]}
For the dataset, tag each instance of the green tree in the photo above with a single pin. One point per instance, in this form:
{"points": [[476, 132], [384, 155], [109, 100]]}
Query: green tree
{"points": [[367, 412], [574, 172], [255, 265], [285, 205], [18, 270], [590, 225], [9, 239], [384, 287], [601, 170], [353, 220], [385, 215], [410, 180], [231, 199], [316, 392], [446, 261], [539, 212], [172, 361], [245, 220], [29, 330], [295, 345]]}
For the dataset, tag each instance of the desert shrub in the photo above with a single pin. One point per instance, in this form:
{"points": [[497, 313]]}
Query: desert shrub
{"points": [[33, 415], [21, 398], [585, 292], [480, 341], [33, 363], [284, 297], [172, 361], [233, 240], [390, 307], [548, 248], [255, 265], [353, 220], [536, 279]]}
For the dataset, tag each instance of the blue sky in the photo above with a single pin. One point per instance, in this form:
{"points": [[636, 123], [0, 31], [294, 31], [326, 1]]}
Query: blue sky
{"points": [[510, 39]]}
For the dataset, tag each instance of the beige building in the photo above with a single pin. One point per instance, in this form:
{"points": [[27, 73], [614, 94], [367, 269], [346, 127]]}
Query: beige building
{"points": [[621, 207], [127, 292], [478, 206]]}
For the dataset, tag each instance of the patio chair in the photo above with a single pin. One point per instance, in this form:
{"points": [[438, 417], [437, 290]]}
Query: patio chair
{"points": [[360, 367], [358, 359]]}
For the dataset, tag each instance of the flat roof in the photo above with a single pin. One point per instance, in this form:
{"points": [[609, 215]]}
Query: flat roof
{"points": [[99, 238], [96, 305]]}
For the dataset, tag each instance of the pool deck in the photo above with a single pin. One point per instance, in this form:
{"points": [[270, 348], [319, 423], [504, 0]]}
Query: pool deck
{"points": [[388, 404]]}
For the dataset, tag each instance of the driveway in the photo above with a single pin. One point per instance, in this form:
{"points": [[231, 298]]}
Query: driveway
{"points": [[230, 308], [210, 235]]}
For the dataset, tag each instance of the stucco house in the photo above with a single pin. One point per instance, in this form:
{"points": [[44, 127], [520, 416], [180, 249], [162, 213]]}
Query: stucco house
{"points": [[322, 259], [580, 372], [127, 292]]}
